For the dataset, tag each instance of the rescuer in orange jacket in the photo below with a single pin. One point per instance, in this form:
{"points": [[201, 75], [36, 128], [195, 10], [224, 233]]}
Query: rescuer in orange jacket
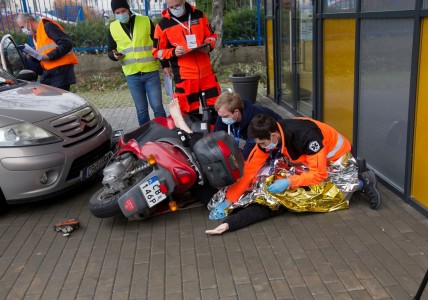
{"points": [[58, 58], [301, 140], [181, 30]]}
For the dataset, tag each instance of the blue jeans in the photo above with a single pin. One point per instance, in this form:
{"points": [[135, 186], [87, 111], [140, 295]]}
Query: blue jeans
{"points": [[143, 86]]}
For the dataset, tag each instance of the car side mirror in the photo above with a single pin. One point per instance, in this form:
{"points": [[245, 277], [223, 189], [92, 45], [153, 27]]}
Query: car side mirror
{"points": [[27, 75]]}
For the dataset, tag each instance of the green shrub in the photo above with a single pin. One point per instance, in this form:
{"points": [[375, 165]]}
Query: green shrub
{"points": [[91, 33], [241, 25]]}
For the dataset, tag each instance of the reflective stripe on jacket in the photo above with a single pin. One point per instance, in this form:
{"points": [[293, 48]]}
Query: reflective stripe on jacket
{"points": [[304, 140], [138, 51], [44, 45]]}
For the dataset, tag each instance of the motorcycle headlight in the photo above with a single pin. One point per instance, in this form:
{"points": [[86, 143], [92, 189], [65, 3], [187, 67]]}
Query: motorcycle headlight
{"points": [[25, 134]]}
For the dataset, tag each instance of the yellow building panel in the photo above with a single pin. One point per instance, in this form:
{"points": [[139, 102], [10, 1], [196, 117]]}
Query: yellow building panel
{"points": [[338, 74], [420, 154], [270, 64]]}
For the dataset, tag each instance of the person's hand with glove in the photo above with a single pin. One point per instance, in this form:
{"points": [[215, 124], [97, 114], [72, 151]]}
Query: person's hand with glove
{"points": [[279, 186], [218, 212]]}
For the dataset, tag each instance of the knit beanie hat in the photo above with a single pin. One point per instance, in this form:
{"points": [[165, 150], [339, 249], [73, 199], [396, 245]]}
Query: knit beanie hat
{"points": [[115, 4]]}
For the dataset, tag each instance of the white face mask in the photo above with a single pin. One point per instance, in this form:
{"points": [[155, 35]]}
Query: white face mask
{"points": [[122, 18], [178, 11], [272, 145], [27, 31], [228, 121]]}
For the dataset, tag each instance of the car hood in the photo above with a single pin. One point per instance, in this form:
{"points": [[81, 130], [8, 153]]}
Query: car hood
{"points": [[34, 102]]}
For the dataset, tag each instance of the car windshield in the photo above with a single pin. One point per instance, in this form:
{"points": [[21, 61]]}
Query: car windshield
{"points": [[6, 80]]}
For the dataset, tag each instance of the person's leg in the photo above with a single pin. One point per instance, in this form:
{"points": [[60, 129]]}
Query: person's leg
{"points": [[177, 117], [369, 188], [187, 93], [138, 93], [152, 85], [209, 85]]}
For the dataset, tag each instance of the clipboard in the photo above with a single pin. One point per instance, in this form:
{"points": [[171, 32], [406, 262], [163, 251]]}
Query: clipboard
{"points": [[199, 47]]}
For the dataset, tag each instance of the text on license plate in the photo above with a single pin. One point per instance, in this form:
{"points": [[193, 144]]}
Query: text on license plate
{"points": [[95, 167], [151, 191]]}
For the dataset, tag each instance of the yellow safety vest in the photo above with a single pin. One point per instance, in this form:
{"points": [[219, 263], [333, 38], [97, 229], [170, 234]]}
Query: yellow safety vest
{"points": [[138, 51]]}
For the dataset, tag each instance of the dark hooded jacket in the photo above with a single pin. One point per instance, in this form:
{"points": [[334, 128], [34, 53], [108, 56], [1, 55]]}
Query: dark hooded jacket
{"points": [[249, 111]]}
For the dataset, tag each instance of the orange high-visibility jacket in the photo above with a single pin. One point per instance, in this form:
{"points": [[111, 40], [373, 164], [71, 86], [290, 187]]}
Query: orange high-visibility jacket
{"points": [[170, 34], [303, 140], [45, 44]]}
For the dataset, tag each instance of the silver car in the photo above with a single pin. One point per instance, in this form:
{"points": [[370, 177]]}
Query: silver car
{"points": [[50, 139]]}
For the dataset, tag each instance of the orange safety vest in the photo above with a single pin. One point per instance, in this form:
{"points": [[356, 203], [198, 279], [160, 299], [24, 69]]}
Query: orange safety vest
{"points": [[45, 44]]}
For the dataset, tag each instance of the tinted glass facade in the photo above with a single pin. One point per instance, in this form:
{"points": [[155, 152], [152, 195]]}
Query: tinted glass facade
{"points": [[369, 65]]}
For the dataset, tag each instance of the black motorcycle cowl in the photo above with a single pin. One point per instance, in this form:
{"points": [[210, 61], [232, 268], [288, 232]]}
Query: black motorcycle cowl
{"points": [[220, 158]]}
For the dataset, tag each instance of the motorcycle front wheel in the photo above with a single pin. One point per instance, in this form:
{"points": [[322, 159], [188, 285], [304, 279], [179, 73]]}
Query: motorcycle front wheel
{"points": [[104, 204]]}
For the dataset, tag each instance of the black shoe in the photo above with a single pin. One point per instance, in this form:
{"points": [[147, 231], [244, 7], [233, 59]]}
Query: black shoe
{"points": [[362, 166], [370, 189]]}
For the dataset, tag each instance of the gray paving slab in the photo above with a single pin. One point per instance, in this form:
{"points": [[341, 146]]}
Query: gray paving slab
{"points": [[352, 254]]}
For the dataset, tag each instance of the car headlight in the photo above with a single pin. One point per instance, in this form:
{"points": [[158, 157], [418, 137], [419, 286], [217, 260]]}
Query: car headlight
{"points": [[25, 134]]}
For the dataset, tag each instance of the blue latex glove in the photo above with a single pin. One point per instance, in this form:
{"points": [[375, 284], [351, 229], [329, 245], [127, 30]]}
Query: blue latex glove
{"points": [[279, 186], [218, 212]]}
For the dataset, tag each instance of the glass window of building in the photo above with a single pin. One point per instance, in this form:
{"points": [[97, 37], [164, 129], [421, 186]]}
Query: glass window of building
{"points": [[385, 64], [387, 5], [425, 5], [339, 6]]}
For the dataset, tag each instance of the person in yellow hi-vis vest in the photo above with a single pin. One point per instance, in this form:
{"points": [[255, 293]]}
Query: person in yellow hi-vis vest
{"points": [[58, 58], [130, 41]]}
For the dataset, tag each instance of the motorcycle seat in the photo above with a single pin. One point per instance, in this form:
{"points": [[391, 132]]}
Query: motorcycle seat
{"points": [[149, 132]]}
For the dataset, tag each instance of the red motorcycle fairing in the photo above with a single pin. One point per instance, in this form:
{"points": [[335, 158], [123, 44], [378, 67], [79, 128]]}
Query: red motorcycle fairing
{"points": [[167, 122], [173, 160], [131, 146], [167, 156]]}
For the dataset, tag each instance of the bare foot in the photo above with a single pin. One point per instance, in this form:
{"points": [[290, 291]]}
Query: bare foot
{"points": [[219, 229], [174, 110], [177, 116]]}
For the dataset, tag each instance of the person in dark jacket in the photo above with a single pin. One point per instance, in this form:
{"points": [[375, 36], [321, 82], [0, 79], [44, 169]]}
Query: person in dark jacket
{"points": [[56, 48], [234, 116]]}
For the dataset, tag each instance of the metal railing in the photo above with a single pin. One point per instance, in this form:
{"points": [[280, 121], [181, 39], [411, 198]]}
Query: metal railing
{"points": [[86, 21]]}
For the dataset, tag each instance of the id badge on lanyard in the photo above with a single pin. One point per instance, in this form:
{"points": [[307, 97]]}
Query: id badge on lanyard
{"points": [[190, 38], [191, 41]]}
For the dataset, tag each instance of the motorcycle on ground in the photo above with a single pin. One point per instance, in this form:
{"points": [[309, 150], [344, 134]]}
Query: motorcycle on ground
{"points": [[153, 163]]}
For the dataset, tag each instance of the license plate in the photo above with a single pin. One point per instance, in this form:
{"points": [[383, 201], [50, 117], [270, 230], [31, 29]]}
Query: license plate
{"points": [[95, 167], [151, 191]]}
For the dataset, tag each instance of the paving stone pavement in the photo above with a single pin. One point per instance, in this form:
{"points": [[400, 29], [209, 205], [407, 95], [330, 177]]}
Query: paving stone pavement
{"points": [[350, 254]]}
